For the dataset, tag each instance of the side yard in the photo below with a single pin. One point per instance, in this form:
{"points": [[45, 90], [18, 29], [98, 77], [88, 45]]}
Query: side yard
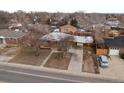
{"points": [[89, 62]]}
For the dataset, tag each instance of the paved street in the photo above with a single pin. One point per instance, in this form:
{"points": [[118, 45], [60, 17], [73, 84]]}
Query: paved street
{"points": [[23, 75]]}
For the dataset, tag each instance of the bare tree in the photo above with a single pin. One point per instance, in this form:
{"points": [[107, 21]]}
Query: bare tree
{"points": [[32, 39]]}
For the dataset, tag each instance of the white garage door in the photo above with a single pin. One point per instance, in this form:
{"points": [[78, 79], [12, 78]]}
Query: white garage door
{"points": [[114, 51]]}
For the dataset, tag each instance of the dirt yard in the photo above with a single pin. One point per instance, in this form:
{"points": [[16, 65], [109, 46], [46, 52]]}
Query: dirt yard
{"points": [[88, 61], [55, 62], [30, 58]]}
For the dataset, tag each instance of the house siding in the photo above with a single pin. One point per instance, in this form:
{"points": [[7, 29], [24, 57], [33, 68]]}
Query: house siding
{"points": [[11, 41]]}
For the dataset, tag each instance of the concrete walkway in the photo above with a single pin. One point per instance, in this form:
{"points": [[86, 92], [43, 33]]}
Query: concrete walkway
{"points": [[44, 62], [76, 60]]}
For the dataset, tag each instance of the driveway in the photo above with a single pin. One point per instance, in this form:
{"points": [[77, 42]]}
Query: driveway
{"points": [[76, 61], [115, 69]]}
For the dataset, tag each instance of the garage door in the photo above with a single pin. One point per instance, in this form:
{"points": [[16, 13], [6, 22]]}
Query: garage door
{"points": [[113, 51]]}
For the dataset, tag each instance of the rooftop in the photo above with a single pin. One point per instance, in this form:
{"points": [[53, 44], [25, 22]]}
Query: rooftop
{"points": [[11, 34], [59, 36]]}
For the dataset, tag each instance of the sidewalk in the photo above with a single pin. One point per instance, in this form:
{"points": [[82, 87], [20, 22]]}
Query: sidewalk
{"points": [[76, 61], [44, 62]]}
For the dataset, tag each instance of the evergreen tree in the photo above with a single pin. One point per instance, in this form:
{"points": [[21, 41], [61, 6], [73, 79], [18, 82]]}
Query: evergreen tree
{"points": [[74, 22]]}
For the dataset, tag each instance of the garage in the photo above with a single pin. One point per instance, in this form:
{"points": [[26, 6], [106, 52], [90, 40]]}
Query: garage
{"points": [[114, 51], [114, 44]]}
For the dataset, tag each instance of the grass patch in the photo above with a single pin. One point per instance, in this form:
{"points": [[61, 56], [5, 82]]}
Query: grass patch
{"points": [[54, 62]]}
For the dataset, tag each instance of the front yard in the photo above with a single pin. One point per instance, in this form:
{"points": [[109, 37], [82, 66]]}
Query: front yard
{"points": [[30, 58], [8, 53], [59, 63]]}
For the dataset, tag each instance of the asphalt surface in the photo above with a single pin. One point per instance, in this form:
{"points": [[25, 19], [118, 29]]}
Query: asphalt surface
{"points": [[23, 75]]}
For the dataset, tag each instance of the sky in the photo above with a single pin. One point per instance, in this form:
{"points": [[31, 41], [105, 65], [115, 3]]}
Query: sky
{"points": [[100, 6]]}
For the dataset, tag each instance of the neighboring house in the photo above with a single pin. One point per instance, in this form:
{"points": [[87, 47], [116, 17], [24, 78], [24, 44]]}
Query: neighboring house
{"points": [[112, 22], [16, 26], [113, 33], [80, 40], [115, 44], [56, 30], [10, 37], [80, 36], [59, 36], [68, 29]]}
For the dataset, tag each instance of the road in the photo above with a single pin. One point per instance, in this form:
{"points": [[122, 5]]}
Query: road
{"points": [[23, 75]]}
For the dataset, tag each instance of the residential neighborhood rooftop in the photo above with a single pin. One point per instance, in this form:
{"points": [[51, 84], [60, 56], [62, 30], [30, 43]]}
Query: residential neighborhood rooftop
{"points": [[11, 34]]}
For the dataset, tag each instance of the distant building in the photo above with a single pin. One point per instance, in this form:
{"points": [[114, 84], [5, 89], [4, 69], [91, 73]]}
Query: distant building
{"points": [[16, 27], [68, 29], [112, 22]]}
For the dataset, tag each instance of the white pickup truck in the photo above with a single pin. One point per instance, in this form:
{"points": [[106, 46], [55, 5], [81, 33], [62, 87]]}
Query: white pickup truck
{"points": [[103, 60]]}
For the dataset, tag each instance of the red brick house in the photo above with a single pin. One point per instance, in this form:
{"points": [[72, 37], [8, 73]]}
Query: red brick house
{"points": [[10, 37]]}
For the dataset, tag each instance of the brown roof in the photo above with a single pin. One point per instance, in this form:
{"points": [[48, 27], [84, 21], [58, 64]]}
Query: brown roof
{"points": [[68, 28], [11, 34]]}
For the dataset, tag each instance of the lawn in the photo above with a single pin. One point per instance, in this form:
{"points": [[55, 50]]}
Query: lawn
{"points": [[30, 58], [54, 62]]}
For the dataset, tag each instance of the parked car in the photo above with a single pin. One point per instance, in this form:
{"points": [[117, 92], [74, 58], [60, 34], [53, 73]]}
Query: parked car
{"points": [[103, 60]]}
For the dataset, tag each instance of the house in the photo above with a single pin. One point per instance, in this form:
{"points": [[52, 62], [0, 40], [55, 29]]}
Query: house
{"points": [[80, 40], [113, 33], [53, 39], [10, 37], [68, 29], [72, 39], [112, 22], [115, 44], [15, 26]]}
